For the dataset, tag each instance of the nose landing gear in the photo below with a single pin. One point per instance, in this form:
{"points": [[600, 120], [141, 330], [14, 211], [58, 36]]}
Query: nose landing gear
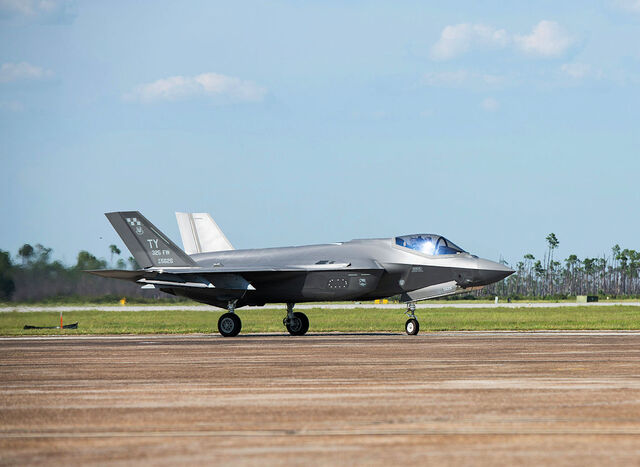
{"points": [[412, 327]]}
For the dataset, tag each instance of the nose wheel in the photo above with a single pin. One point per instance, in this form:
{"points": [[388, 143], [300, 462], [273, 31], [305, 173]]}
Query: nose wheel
{"points": [[412, 327]]}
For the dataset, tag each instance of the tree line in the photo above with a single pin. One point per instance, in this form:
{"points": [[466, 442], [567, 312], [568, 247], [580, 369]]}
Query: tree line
{"points": [[33, 276], [614, 275]]}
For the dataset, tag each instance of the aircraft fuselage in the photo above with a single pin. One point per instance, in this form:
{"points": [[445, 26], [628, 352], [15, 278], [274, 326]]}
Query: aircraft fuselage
{"points": [[355, 270]]}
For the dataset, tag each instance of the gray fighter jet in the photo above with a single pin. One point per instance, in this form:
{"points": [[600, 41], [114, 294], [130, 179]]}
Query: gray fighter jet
{"points": [[414, 267]]}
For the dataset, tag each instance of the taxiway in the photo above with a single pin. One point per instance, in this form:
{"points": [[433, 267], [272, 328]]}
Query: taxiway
{"points": [[562, 398]]}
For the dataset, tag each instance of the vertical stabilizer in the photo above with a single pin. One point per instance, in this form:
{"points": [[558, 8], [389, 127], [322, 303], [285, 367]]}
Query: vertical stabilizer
{"points": [[200, 233], [147, 244]]}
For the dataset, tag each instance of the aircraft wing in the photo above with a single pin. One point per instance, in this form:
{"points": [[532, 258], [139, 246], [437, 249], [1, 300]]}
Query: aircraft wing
{"points": [[118, 274], [220, 277], [287, 268]]}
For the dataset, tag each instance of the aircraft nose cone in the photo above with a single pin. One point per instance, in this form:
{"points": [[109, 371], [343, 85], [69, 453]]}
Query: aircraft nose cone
{"points": [[490, 271]]}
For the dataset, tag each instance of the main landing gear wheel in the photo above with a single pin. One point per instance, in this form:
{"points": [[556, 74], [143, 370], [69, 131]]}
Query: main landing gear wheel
{"points": [[412, 326], [298, 324], [229, 325]]}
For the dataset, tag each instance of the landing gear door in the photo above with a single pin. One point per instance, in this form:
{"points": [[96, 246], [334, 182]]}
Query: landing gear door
{"points": [[433, 291]]}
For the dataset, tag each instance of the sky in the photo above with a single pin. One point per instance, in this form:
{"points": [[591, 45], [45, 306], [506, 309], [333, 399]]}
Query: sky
{"points": [[297, 122]]}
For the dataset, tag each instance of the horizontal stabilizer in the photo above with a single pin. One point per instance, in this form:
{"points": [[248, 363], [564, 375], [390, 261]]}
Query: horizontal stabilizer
{"points": [[225, 281], [118, 274]]}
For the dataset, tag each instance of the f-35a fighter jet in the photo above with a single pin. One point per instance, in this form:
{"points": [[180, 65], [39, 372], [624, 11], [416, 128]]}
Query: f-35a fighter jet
{"points": [[415, 267]]}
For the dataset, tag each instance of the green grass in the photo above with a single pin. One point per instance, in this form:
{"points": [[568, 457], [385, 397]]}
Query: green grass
{"points": [[115, 301], [357, 320]]}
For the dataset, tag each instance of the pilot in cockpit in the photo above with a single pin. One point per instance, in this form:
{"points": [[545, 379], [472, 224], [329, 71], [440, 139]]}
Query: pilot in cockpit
{"points": [[429, 244]]}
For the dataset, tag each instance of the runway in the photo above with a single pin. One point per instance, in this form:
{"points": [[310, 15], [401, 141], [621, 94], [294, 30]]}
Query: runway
{"points": [[486, 398]]}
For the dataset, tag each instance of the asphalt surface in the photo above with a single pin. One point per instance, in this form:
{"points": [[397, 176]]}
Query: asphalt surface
{"points": [[304, 306], [456, 398]]}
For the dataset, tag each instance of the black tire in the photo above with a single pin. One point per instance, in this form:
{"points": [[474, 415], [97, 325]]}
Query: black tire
{"points": [[299, 325], [229, 325], [412, 327]]}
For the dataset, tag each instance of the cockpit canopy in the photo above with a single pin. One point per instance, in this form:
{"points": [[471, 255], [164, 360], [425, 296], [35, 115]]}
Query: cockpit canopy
{"points": [[429, 244]]}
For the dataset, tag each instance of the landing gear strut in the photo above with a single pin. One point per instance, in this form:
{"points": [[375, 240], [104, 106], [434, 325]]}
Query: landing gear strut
{"points": [[411, 326], [229, 324], [296, 323]]}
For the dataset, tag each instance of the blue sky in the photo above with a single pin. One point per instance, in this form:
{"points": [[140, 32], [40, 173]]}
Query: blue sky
{"points": [[308, 122]]}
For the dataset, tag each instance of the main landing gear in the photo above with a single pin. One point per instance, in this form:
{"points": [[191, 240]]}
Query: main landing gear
{"points": [[411, 326], [296, 323], [229, 324]]}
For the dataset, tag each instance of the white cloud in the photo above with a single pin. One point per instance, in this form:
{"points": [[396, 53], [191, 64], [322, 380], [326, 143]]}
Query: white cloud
{"points": [[494, 80], [22, 71], [547, 39], [462, 78], [490, 104], [205, 84], [630, 5], [28, 7], [13, 106], [445, 78], [460, 38], [576, 70], [49, 11], [378, 114]]}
